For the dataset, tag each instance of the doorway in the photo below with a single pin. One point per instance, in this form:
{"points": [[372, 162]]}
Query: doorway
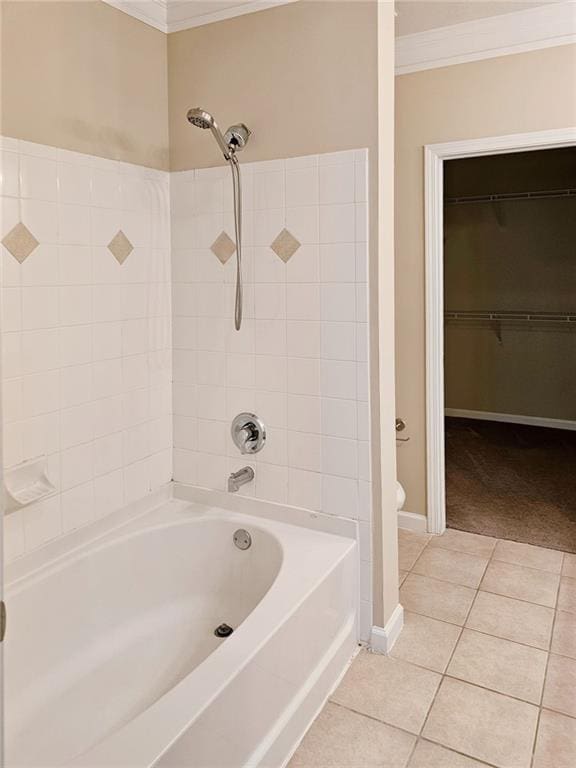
{"points": [[493, 456]]}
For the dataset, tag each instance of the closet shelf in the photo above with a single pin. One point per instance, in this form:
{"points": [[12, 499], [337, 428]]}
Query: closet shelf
{"points": [[566, 318], [503, 196]]}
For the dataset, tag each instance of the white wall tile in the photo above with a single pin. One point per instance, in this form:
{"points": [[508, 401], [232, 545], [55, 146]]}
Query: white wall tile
{"points": [[304, 266], [304, 413], [303, 376], [340, 457], [305, 489], [339, 302], [338, 263], [305, 451], [337, 183], [339, 341], [38, 178], [9, 174], [303, 301], [337, 223], [301, 186], [339, 418], [75, 264], [338, 379], [40, 308], [340, 496]]}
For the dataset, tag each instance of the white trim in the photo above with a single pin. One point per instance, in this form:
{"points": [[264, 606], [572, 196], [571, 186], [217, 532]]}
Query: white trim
{"points": [[435, 155], [509, 33], [175, 15], [411, 521], [151, 12], [382, 639], [176, 20], [512, 418]]}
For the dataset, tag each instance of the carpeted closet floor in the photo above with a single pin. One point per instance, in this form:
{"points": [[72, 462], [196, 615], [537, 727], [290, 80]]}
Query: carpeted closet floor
{"points": [[512, 482]]}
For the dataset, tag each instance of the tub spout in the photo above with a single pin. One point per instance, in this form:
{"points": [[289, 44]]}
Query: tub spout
{"points": [[237, 479]]}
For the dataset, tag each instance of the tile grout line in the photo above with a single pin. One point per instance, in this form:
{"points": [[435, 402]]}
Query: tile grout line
{"points": [[549, 652], [486, 591]]}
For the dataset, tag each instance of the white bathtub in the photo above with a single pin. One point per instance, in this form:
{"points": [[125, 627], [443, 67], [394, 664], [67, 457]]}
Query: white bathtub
{"points": [[111, 658]]}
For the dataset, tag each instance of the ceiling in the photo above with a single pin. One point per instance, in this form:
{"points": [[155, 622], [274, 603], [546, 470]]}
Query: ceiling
{"points": [[420, 15]]}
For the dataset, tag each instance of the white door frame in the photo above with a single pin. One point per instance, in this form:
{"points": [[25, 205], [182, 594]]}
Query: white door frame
{"points": [[434, 157]]}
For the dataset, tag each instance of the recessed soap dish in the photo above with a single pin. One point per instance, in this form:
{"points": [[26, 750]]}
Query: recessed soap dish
{"points": [[27, 483]]}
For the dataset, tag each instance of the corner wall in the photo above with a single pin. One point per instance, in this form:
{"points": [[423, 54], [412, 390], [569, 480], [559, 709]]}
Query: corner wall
{"points": [[514, 94], [86, 77]]}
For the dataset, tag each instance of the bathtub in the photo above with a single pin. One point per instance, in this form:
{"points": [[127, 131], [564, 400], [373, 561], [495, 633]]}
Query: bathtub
{"points": [[111, 657]]}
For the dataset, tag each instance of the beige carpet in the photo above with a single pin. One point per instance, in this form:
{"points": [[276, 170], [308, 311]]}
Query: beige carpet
{"points": [[512, 481]]}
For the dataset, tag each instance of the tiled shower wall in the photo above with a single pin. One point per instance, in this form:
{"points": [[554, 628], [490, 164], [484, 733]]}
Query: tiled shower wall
{"points": [[300, 361], [86, 340]]}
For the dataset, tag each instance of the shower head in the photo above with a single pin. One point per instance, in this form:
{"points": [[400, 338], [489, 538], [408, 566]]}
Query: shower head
{"points": [[202, 119], [233, 141]]}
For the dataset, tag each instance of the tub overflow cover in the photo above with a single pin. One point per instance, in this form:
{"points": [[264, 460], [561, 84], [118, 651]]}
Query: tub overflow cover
{"points": [[223, 631]]}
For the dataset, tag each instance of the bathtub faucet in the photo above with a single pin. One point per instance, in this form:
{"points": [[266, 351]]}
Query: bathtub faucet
{"points": [[236, 479]]}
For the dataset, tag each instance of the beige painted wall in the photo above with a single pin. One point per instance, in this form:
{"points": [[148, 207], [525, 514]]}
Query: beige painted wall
{"points": [[86, 77], [513, 94], [303, 77]]}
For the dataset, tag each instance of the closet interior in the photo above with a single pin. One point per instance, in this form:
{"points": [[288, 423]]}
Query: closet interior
{"points": [[510, 346]]}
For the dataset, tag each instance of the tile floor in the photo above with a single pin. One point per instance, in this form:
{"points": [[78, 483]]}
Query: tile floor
{"points": [[484, 672]]}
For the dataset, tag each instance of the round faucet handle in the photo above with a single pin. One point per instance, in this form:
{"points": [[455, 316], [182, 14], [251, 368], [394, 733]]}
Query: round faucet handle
{"points": [[248, 433]]}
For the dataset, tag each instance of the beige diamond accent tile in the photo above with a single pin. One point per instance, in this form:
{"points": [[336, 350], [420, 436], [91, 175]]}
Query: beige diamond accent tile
{"points": [[223, 247], [20, 242], [285, 245], [120, 247]]}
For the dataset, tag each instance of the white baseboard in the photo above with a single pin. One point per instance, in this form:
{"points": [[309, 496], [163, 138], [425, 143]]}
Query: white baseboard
{"points": [[512, 418], [382, 639], [412, 522]]}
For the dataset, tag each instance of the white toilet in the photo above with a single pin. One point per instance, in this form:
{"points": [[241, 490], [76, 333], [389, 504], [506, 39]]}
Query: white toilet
{"points": [[400, 496]]}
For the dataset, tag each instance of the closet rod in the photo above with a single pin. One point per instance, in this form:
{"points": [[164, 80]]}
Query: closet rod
{"points": [[546, 317], [503, 196]]}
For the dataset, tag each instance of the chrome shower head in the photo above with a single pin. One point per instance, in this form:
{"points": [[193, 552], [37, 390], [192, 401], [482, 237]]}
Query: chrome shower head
{"points": [[202, 119]]}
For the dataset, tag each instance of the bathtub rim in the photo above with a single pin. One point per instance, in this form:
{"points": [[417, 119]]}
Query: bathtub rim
{"points": [[77, 539]]}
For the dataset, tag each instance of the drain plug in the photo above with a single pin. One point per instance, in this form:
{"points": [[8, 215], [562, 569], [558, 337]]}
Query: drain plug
{"points": [[223, 631]]}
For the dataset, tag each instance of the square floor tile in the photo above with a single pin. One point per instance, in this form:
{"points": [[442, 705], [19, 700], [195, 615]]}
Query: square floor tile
{"points": [[521, 583], [410, 546], [569, 566], [511, 619], [456, 567], [567, 595], [483, 724], [501, 665], [462, 541], [392, 691], [437, 599], [556, 742], [340, 738], [426, 642], [429, 755], [401, 576], [528, 556], [560, 688], [564, 635]]}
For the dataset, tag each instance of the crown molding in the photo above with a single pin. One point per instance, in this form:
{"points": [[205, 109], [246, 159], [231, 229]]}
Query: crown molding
{"points": [[151, 12], [518, 32], [176, 15], [180, 15]]}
